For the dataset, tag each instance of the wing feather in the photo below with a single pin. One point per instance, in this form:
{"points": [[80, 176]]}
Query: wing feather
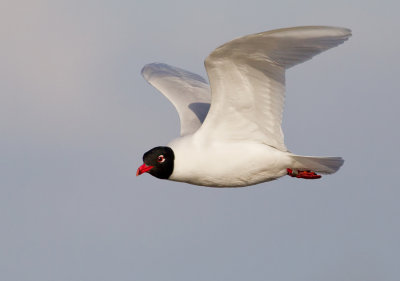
{"points": [[188, 92], [247, 78]]}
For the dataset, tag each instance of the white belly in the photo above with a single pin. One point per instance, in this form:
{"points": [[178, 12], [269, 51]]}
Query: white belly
{"points": [[227, 164]]}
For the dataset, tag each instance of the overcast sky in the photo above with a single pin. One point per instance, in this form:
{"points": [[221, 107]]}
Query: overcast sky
{"points": [[76, 117]]}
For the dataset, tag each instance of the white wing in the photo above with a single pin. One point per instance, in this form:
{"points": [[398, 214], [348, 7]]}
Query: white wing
{"points": [[247, 78], [188, 92]]}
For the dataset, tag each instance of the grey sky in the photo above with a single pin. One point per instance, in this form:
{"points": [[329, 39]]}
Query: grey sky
{"points": [[76, 117]]}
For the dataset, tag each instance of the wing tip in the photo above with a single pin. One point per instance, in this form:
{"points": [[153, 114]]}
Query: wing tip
{"points": [[158, 69], [149, 69], [318, 30]]}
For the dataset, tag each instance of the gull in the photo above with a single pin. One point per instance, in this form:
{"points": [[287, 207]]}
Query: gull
{"points": [[230, 134]]}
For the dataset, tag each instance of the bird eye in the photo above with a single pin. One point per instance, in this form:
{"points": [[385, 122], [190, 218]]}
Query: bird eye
{"points": [[160, 158]]}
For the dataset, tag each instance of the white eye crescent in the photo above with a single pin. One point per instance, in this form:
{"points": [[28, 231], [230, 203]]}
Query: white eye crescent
{"points": [[160, 159]]}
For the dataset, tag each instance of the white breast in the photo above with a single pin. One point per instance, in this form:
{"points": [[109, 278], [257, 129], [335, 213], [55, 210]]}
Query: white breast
{"points": [[226, 164]]}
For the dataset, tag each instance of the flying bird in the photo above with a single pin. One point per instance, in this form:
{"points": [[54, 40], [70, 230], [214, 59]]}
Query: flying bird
{"points": [[230, 134]]}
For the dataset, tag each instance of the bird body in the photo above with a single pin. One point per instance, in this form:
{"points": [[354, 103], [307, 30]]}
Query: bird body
{"points": [[211, 164], [231, 133]]}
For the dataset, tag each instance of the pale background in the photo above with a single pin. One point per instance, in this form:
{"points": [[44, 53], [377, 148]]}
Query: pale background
{"points": [[76, 117]]}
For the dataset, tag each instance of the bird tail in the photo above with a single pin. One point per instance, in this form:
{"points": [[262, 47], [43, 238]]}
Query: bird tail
{"points": [[323, 165]]}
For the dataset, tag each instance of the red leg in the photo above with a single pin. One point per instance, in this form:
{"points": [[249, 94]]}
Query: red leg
{"points": [[303, 174]]}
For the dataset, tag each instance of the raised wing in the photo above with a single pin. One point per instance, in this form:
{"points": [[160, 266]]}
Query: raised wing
{"points": [[188, 92], [247, 78]]}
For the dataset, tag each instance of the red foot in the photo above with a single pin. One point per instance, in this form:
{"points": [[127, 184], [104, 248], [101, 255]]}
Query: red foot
{"points": [[302, 174]]}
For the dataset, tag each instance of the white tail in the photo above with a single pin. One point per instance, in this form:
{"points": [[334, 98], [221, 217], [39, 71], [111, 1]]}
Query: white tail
{"points": [[323, 165]]}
